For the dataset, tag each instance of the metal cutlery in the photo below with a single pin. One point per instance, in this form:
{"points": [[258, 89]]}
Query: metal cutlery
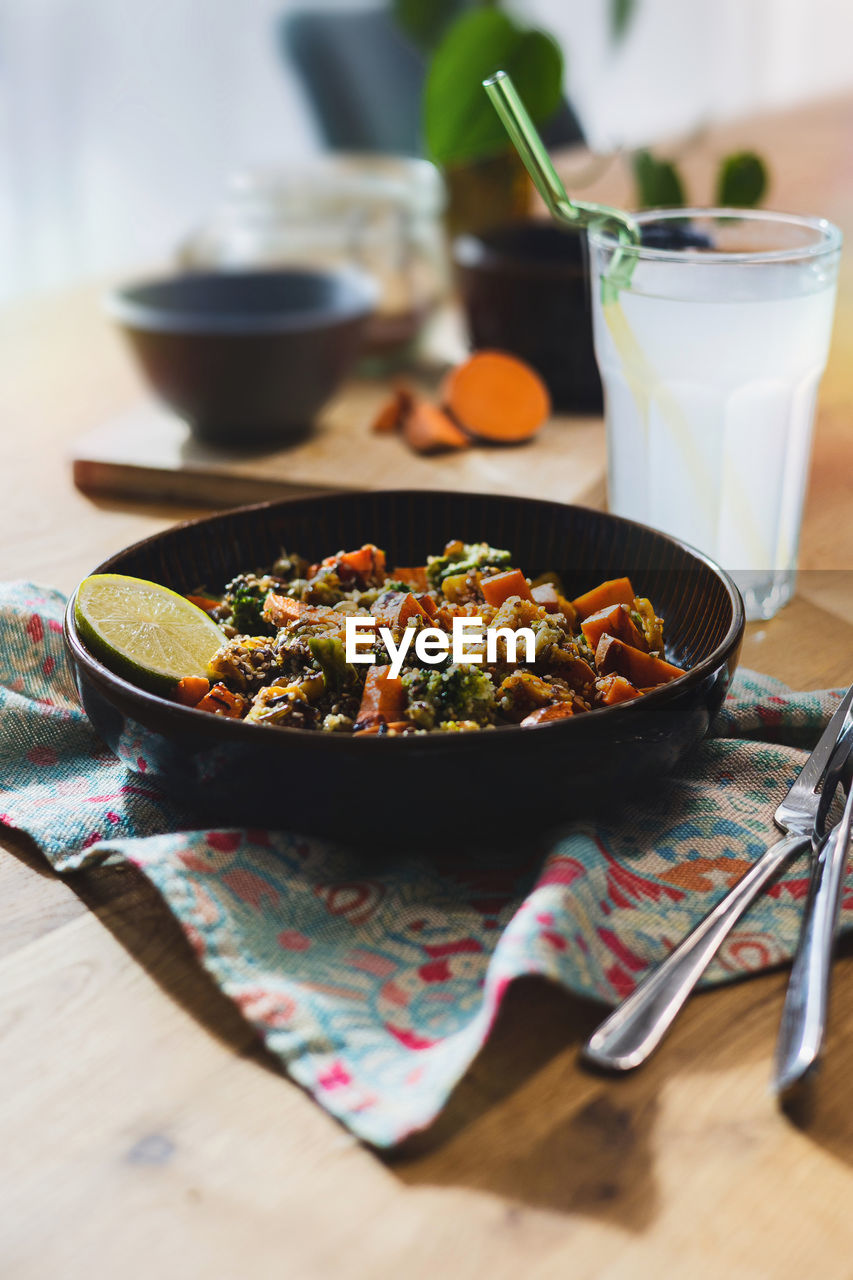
{"points": [[635, 1029], [804, 1016]]}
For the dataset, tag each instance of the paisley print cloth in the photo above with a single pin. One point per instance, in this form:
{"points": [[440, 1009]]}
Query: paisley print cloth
{"points": [[376, 986]]}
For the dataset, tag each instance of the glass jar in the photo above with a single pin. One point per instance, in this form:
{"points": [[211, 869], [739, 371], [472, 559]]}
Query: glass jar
{"points": [[380, 213]]}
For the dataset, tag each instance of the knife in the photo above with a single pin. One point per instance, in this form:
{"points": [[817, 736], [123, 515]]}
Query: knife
{"points": [[635, 1029]]}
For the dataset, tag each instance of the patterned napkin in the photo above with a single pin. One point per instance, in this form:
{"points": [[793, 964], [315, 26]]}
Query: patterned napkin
{"points": [[376, 987]]}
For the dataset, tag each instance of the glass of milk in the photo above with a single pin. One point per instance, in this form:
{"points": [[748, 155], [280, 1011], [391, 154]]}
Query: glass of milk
{"points": [[711, 337]]}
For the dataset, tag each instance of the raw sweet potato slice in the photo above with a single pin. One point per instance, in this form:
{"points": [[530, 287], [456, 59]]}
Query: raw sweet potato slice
{"points": [[391, 413], [427, 429], [642, 669], [497, 397]]}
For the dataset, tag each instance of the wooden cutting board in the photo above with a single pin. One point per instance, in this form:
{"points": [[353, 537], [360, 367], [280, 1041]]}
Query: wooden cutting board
{"points": [[149, 453]]}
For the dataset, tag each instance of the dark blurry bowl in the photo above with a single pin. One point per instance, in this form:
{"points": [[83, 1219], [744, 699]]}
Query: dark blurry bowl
{"points": [[525, 289], [247, 358], [443, 785]]}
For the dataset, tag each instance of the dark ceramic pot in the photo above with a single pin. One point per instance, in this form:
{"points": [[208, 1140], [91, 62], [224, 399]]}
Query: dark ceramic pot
{"points": [[525, 289], [226, 771], [247, 358]]}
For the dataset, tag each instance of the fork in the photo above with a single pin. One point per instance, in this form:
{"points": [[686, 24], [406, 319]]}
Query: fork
{"points": [[804, 1016], [634, 1030]]}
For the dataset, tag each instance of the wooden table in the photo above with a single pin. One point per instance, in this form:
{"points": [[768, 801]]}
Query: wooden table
{"points": [[142, 1131]]}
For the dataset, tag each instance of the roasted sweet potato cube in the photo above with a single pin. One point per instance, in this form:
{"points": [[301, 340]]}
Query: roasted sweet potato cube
{"points": [[281, 610], [556, 711], [394, 608], [642, 669], [222, 702], [614, 620], [503, 585], [383, 699], [415, 577], [614, 591], [617, 689]]}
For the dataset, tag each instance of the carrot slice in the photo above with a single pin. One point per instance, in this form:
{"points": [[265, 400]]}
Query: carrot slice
{"points": [[427, 429], [555, 711], [191, 690], [497, 397], [614, 591], [642, 669], [618, 689], [383, 700], [503, 585], [614, 620]]}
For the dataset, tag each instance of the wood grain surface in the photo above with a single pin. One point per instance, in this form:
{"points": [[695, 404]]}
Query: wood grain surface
{"points": [[143, 1133], [148, 453]]}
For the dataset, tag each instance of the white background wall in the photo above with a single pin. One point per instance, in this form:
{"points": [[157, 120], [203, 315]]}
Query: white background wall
{"points": [[119, 119]]}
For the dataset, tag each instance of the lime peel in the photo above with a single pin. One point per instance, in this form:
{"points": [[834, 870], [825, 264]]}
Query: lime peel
{"points": [[144, 631]]}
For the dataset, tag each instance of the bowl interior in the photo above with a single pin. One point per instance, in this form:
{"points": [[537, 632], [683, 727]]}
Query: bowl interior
{"points": [[244, 301], [701, 606]]}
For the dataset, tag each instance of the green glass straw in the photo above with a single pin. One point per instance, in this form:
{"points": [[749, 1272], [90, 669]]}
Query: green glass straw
{"points": [[534, 155]]}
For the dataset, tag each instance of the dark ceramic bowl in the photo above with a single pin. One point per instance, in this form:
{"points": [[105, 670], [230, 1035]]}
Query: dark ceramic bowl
{"points": [[525, 289], [247, 358], [233, 772]]}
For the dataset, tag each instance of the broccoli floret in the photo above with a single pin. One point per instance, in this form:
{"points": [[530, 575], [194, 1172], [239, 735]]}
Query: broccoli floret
{"points": [[246, 614], [462, 557], [328, 652], [455, 693], [246, 594]]}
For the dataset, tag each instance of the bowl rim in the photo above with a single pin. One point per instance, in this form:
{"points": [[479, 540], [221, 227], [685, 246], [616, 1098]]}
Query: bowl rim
{"points": [[234, 730], [133, 313]]}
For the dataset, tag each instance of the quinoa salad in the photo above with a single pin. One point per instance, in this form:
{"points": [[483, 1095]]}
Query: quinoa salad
{"points": [[283, 661]]}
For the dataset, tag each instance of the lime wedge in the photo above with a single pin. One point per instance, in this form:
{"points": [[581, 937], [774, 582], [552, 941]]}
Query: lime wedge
{"points": [[143, 631]]}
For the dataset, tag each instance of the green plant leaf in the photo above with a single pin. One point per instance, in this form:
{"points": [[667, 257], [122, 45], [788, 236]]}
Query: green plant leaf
{"points": [[742, 180], [460, 124], [621, 16], [426, 21], [658, 182]]}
